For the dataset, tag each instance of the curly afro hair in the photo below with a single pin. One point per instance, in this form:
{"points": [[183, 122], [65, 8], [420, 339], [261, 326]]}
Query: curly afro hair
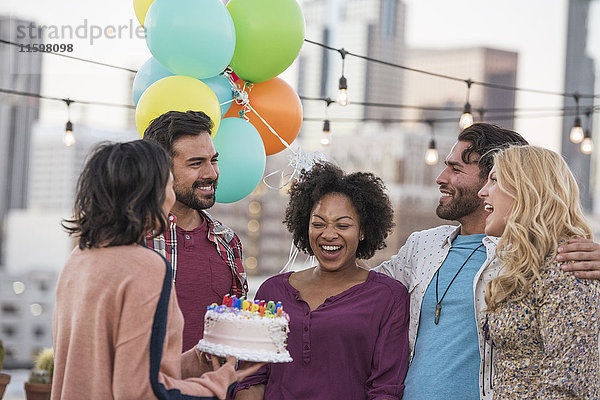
{"points": [[366, 192]]}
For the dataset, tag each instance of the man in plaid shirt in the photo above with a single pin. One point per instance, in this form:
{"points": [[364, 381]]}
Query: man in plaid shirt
{"points": [[205, 254]]}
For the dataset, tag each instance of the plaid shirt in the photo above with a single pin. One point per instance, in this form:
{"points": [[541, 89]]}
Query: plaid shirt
{"points": [[227, 243]]}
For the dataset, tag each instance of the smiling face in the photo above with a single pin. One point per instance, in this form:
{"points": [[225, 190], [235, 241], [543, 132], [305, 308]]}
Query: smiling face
{"points": [[195, 171], [459, 183], [498, 204], [334, 232]]}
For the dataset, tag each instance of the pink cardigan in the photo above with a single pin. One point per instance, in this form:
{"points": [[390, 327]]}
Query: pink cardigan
{"points": [[118, 331]]}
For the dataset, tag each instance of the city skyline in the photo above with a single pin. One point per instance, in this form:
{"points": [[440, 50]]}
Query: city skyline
{"points": [[509, 25]]}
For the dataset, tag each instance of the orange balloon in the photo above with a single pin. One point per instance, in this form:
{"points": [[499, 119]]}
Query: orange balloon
{"points": [[279, 105]]}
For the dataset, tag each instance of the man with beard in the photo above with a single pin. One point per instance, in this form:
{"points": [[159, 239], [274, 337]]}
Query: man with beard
{"points": [[205, 254], [446, 269]]}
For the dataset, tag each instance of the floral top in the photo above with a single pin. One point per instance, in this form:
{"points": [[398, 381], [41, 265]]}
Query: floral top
{"points": [[546, 344]]}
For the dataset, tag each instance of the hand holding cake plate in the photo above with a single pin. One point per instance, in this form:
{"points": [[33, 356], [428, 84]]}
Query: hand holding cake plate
{"points": [[250, 331], [242, 369]]}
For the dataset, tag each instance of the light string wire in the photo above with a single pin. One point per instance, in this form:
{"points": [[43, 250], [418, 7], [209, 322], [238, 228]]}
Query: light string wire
{"points": [[449, 77], [129, 106]]}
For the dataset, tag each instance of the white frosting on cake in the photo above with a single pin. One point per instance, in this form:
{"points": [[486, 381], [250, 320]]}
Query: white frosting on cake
{"points": [[245, 335]]}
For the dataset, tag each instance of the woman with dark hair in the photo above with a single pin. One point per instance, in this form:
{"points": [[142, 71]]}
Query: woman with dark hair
{"points": [[348, 326], [117, 328]]}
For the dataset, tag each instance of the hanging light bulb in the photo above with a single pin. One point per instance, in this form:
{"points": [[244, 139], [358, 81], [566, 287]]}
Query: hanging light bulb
{"points": [[466, 119], [587, 146], [68, 138], [342, 98], [577, 134], [326, 136], [431, 157]]}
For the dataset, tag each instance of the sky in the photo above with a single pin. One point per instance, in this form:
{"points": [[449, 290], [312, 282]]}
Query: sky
{"points": [[533, 28]]}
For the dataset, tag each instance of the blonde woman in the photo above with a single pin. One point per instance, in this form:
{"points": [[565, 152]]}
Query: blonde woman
{"points": [[542, 322]]}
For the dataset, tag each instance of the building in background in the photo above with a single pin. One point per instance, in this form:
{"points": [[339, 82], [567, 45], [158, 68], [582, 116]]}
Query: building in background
{"points": [[26, 307], [579, 78], [37, 247], [19, 71], [371, 28], [477, 64], [55, 168]]}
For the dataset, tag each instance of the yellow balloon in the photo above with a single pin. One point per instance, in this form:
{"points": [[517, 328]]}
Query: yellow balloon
{"points": [[176, 93], [141, 8]]}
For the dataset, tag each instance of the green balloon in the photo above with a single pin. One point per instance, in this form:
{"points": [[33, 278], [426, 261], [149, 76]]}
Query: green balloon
{"points": [[269, 35]]}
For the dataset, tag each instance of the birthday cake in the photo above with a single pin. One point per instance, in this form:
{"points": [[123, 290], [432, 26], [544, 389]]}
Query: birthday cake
{"points": [[250, 331]]}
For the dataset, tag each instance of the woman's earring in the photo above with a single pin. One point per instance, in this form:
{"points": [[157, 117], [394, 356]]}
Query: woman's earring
{"points": [[361, 237]]}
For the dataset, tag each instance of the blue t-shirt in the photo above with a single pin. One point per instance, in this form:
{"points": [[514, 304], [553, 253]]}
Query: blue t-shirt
{"points": [[446, 361]]}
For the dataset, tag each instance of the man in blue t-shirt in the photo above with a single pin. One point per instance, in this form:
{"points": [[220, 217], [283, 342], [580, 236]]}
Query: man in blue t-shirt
{"points": [[446, 270]]}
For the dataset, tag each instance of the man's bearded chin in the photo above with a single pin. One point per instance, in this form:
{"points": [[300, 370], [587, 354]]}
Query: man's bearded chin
{"points": [[460, 207], [189, 198]]}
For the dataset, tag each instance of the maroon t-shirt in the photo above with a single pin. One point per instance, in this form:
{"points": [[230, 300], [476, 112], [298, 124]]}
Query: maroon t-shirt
{"points": [[202, 278]]}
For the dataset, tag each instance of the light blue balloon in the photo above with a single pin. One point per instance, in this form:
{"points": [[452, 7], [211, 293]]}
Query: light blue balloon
{"points": [[242, 159], [190, 37], [150, 72], [222, 88]]}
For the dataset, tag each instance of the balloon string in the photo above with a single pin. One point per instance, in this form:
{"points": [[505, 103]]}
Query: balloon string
{"points": [[286, 144], [241, 98], [289, 265], [283, 181], [298, 161]]}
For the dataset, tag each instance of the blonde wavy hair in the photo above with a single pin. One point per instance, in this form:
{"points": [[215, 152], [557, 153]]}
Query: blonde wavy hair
{"points": [[546, 209]]}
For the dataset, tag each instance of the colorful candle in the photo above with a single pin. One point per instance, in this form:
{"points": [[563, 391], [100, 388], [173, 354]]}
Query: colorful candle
{"points": [[237, 304]]}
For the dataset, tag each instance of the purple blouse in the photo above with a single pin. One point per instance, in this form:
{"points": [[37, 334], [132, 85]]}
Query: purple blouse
{"points": [[353, 346]]}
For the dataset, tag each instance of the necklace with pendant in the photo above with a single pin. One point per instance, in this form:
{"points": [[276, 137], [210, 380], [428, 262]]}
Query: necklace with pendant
{"points": [[438, 301]]}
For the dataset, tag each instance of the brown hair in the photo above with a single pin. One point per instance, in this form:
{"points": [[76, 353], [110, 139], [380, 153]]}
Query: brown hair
{"points": [[120, 194]]}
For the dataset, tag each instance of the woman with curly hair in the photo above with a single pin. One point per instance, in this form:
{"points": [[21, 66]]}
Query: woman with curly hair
{"points": [[542, 322], [348, 326]]}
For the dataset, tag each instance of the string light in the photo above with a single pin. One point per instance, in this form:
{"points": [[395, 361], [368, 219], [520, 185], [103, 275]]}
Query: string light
{"points": [[342, 98], [68, 138], [576, 135], [325, 135], [431, 157], [587, 146], [466, 119], [343, 53]]}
